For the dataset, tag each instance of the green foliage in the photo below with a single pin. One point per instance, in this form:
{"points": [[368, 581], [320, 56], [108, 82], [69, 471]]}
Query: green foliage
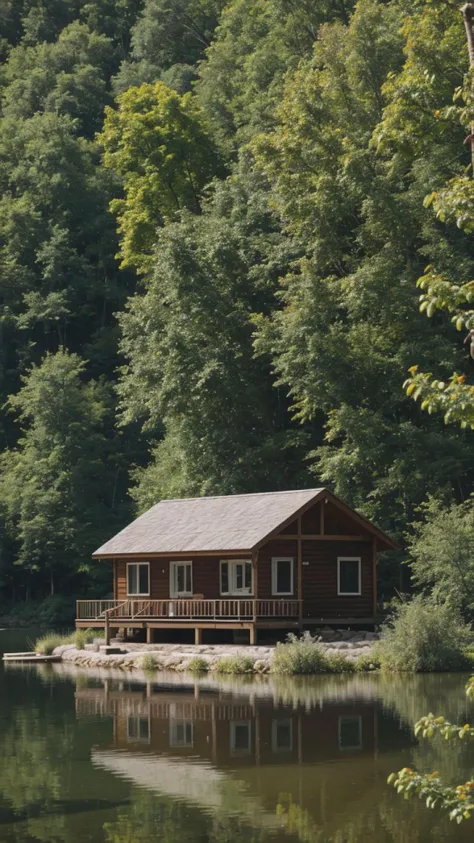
{"points": [[424, 635], [235, 664], [256, 43], [368, 662], [61, 473], [157, 142], [190, 363], [149, 662], [198, 665], [456, 801], [168, 40], [79, 638], [442, 552], [48, 643], [307, 655]]}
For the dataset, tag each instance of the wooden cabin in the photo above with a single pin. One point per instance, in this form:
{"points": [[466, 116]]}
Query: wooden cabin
{"points": [[277, 560]]}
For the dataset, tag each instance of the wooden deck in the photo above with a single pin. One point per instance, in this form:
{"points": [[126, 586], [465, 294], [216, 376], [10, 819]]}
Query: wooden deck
{"points": [[198, 614]]}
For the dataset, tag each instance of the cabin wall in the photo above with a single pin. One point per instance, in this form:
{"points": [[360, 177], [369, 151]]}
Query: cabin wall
{"points": [[319, 566], [320, 580]]}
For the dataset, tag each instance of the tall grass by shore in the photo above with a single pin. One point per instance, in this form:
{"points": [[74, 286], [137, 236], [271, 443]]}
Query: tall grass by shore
{"points": [[48, 643]]}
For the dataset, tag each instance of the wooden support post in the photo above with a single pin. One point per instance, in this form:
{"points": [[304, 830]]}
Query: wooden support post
{"points": [[149, 635], [107, 630], [253, 635], [374, 577], [300, 572], [255, 583], [197, 635]]}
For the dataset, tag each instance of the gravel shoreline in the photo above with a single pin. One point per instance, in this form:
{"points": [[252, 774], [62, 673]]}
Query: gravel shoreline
{"points": [[177, 657]]}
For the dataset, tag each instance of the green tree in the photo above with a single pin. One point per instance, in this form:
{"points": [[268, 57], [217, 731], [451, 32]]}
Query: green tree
{"points": [[257, 42], [58, 487], [69, 76], [167, 41], [441, 546], [158, 144], [188, 340], [347, 329]]}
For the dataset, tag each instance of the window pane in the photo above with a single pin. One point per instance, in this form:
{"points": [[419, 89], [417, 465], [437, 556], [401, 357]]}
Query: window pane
{"points": [[180, 579], [283, 735], [248, 575], [144, 729], [239, 577], [132, 579], [348, 576], [144, 579], [240, 737], [225, 577], [350, 730], [283, 576]]}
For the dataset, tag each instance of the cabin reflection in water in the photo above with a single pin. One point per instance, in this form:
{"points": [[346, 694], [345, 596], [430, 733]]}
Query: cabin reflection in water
{"points": [[247, 754], [227, 731]]}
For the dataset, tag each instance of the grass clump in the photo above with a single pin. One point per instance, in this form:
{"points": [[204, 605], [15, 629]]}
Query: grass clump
{"points": [[198, 665], [47, 643], [81, 637], [149, 662], [235, 664], [304, 655], [425, 636]]}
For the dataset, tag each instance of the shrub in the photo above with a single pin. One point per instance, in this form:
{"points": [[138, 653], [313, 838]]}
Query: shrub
{"points": [[198, 665], [235, 664], [81, 637], [150, 662], [301, 655], [424, 635], [47, 643], [442, 553], [338, 663], [368, 662]]}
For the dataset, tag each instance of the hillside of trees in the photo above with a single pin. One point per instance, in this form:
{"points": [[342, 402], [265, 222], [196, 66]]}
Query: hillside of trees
{"points": [[213, 219]]}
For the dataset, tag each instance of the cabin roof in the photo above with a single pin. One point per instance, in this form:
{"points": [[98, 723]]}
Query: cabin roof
{"points": [[226, 524]]}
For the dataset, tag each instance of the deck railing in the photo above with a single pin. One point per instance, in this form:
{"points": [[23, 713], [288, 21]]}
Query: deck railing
{"points": [[187, 609]]}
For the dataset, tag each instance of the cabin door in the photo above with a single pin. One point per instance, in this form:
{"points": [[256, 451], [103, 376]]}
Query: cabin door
{"points": [[181, 579]]}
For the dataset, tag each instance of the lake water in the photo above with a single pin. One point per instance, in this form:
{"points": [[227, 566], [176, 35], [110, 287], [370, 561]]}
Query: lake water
{"points": [[109, 759]]}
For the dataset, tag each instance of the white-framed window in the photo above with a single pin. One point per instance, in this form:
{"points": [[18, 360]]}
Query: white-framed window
{"points": [[236, 576], [350, 733], [138, 579], [348, 576], [181, 579], [240, 737], [282, 735], [181, 733], [282, 575], [138, 729]]}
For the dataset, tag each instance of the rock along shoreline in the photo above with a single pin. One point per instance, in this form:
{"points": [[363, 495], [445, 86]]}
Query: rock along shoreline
{"points": [[178, 657]]}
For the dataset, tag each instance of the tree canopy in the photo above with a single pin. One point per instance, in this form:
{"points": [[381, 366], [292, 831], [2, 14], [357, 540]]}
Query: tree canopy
{"points": [[213, 220]]}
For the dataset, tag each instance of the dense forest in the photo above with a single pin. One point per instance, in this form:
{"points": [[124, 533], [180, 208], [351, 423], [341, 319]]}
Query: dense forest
{"points": [[213, 219]]}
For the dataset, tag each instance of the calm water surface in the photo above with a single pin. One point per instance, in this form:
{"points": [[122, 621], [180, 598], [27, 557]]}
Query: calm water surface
{"points": [[108, 759]]}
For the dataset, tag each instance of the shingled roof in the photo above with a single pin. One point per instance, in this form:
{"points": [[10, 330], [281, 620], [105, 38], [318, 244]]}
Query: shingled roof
{"points": [[233, 523]]}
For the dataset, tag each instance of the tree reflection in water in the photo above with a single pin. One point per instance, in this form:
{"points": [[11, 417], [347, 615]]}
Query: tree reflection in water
{"points": [[122, 761]]}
